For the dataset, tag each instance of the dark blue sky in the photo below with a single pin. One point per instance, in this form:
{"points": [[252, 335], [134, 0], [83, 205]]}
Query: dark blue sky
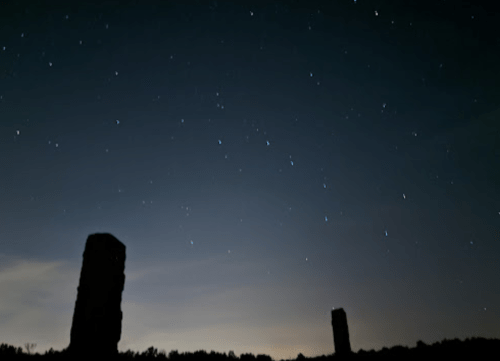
{"points": [[261, 163]]}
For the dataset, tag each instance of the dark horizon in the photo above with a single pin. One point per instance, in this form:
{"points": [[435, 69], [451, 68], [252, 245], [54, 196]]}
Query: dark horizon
{"points": [[261, 163], [470, 348]]}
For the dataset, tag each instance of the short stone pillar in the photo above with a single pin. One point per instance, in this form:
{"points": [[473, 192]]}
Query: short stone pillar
{"points": [[340, 332], [97, 319]]}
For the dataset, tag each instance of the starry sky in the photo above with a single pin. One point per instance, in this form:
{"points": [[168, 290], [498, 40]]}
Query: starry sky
{"points": [[263, 162]]}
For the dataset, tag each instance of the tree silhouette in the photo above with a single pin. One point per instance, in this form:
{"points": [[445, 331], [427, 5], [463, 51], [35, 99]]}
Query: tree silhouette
{"points": [[470, 349], [262, 357], [247, 357], [9, 350], [173, 355], [30, 347], [421, 343], [151, 352]]}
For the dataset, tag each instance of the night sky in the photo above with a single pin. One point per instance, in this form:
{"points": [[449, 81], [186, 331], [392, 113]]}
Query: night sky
{"points": [[262, 163]]}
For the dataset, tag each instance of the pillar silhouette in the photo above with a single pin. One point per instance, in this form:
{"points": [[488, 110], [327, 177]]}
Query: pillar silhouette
{"points": [[340, 332], [97, 318]]}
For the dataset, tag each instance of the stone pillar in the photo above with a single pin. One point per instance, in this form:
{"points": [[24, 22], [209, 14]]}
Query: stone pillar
{"points": [[340, 332], [97, 319]]}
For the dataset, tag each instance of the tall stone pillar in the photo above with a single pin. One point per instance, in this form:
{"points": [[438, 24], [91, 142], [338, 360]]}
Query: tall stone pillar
{"points": [[97, 319], [340, 332]]}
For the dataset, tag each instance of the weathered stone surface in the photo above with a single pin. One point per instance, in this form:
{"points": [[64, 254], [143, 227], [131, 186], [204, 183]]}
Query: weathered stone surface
{"points": [[97, 319], [340, 332]]}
